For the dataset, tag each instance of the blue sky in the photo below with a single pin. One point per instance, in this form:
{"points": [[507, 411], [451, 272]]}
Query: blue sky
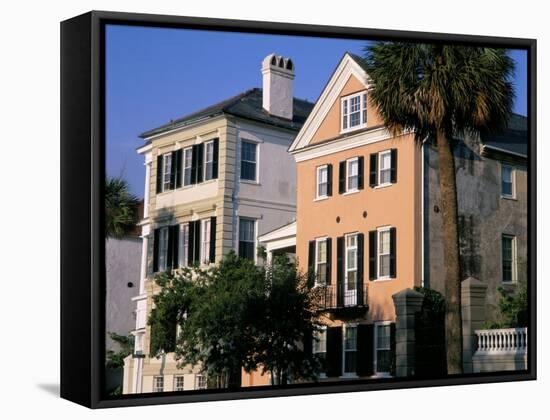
{"points": [[154, 75]]}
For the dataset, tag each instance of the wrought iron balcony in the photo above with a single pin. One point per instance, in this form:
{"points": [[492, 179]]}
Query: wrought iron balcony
{"points": [[340, 299]]}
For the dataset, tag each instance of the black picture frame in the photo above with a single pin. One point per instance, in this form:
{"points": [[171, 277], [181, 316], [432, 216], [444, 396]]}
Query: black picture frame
{"points": [[82, 231]]}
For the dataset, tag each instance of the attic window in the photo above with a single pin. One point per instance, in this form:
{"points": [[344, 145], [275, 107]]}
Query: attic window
{"points": [[354, 111]]}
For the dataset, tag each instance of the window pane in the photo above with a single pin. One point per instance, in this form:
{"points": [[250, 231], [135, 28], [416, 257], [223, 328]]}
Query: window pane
{"points": [[385, 161], [351, 362], [385, 176], [322, 251], [383, 336], [507, 188], [385, 242], [383, 361], [183, 248], [351, 258], [351, 338], [248, 151], [351, 280], [384, 265], [248, 171], [353, 166]]}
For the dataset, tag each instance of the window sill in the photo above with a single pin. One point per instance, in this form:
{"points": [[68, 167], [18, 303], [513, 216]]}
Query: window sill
{"points": [[351, 192], [349, 376], [383, 279], [387, 184], [352, 129], [322, 198], [248, 181], [508, 197]]}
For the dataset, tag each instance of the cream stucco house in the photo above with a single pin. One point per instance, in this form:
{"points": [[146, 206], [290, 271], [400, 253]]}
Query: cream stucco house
{"points": [[214, 181]]}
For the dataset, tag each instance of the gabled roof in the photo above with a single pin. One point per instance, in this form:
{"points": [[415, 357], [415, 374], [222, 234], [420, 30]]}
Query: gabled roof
{"points": [[512, 140], [350, 64], [246, 105]]}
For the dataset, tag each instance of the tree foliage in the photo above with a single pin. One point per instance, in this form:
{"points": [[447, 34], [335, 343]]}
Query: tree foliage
{"points": [[121, 208], [235, 316], [115, 359], [513, 307]]}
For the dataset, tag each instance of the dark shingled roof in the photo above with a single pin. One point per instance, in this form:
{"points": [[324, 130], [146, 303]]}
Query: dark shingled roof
{"points": [[245, 105], [513, 139]]}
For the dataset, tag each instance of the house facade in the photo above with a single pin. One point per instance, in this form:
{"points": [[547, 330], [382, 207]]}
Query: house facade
{"points": [[215, 180], [358, 224]]}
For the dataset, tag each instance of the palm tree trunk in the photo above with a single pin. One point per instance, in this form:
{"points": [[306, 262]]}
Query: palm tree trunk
{"points": [[449, 209]]}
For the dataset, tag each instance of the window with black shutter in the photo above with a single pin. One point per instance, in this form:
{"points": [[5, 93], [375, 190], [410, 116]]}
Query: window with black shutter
{"points": [[194, 242], [393, 252], [156, 236], [340, 271], [373, 252], [329, 261], [200, 163], [329, 177], [373, 170], [342, 177], [216, 158], [213, 239], [382, 348], [173, 170], [361, 170], [173, 244], [365, 349], [311, 264], [393, 179], [360, 268], [159, 174], [334, 352], [178, 167]]}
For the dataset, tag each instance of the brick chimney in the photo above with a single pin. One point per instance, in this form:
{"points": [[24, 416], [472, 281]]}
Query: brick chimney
{"points": [[278, 91]]}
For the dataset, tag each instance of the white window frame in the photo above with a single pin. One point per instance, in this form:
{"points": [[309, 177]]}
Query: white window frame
{"points": [[176, 387], [323, 331], [345, 107], [162, 256], [514, 261], [205, 241], [198, 379], [255, 222], [183, 246], [206, 161], [376, 348], [318, 183], [379, 232], [350, 296], [187, 150], [513, 180], [380, 155], [344, 330], [348, 176], [156, 388], [165, 172], [317, 262], [256, 162]]}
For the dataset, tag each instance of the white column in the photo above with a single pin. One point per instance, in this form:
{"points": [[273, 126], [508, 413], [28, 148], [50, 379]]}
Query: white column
{"points": [[147, 188]]}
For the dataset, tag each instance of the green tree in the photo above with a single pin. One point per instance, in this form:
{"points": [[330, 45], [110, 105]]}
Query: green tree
{"points": [[235, 316], [286, 325], [441, 92], [115, 359], [121, 208], [513, 307]]}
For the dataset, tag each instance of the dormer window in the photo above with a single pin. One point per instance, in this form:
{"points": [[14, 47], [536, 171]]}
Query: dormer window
{"points": [[354, 111]]}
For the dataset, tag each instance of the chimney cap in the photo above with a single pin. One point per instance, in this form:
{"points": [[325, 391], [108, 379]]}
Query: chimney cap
{"points": [[278, 62]]}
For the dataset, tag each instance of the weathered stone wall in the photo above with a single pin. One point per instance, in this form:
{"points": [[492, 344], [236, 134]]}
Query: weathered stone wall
{"points": [[483, 217]]}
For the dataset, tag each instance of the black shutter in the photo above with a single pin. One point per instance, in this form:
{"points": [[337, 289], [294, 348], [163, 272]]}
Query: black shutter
{"points": [[200, 162], [173, 171], [340, 271], [360, 171], [373, 173], [393, 252], [191, 244], [392, 348], [360, 270], [334, 351], [329, 260], [342, 178], [311, 264], [212, 256], [194, 158], [329, 179], [178, 168], [156, 251], [159, 173], [170, 251], [393, 172], [197, 240], [215, 159], [174, 238], [372, 255], [365, 350]]}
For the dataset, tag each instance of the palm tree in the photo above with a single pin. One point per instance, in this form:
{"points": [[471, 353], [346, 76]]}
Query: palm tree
{"points": [[121, 208], [442, 92]]}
